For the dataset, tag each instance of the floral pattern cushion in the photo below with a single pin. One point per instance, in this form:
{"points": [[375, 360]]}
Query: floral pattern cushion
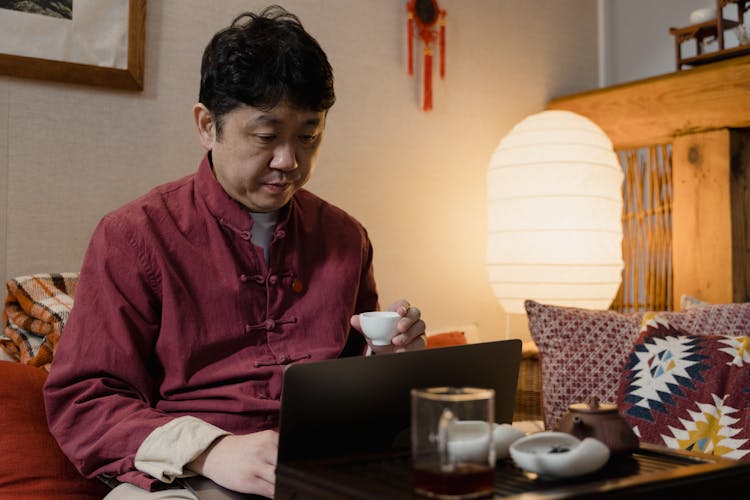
{"points": [[689, 392]]}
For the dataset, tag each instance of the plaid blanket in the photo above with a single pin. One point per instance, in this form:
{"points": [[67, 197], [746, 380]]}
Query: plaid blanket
{"points": [[35, 312]]}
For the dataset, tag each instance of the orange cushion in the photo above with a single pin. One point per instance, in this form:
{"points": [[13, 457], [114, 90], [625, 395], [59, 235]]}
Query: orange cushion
{"points": [[446, 339], [32, 465]]}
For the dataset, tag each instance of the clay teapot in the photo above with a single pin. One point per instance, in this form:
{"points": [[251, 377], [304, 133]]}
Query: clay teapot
{"points": [[600, 421]]}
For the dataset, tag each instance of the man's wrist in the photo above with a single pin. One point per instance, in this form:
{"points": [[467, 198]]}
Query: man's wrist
{"points": [[167, 451], [198, 464]]}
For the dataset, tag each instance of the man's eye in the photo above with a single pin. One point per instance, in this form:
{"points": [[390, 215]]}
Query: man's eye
{"points": [[265, 138], [308, 138]]}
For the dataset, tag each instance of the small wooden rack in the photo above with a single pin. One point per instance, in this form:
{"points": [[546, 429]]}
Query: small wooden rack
{"points": [[714, 28]]}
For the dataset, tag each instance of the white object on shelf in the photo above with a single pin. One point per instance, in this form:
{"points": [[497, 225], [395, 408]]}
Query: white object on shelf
{"points": [[743, 34], [702, 15]]}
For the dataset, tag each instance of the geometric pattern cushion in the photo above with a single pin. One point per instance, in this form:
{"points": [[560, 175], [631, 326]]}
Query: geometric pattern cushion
{"points": [[720, 319], [581, 353], [689, 392]]}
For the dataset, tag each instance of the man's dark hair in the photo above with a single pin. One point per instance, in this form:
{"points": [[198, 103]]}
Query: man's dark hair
{"points": [[262, 59]]}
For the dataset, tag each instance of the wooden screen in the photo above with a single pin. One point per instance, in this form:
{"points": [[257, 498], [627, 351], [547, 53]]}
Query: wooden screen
{"points": [[647, 230]]}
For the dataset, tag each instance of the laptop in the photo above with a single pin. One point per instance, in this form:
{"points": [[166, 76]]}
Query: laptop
{"points": [[362, 405]]}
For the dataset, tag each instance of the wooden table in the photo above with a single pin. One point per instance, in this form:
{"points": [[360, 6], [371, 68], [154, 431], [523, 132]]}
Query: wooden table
{"points": [[652, 472]]}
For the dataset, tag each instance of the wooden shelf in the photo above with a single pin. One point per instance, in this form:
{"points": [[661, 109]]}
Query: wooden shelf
{"points": [[719, 55], [700, 31], [714, 28]]}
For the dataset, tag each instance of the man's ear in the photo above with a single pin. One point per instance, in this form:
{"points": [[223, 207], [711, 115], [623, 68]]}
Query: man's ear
{"points": [[206, 125]]}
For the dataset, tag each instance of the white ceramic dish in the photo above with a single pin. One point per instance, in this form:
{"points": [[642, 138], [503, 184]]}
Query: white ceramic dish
{"points": [[558, 454]]}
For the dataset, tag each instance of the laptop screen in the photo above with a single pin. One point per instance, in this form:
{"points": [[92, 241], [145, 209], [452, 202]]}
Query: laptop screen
{"points": [[361, 405]]}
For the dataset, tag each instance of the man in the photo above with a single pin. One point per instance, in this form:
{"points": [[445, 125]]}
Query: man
{"points": [[194, 298]]}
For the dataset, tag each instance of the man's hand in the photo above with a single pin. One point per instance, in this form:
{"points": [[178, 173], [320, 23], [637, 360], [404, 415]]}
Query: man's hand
{"points": [[411, 329], [244, 463]]}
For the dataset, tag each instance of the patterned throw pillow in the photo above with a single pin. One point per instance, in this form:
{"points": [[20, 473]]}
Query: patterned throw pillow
{"points": [[581, 353], [719, 319], [36, 309], [689, 392]]}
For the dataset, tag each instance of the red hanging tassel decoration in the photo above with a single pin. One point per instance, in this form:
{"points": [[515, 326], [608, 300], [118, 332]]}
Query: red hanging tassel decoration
{"points": [[427, 79], [410, 37], [426, 20], [442, 44]]}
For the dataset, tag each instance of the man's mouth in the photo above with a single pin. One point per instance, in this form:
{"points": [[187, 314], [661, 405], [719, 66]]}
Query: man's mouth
{"points": [[276, 186]]}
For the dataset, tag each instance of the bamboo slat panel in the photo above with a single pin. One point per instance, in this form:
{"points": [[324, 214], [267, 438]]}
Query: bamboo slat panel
{"points": [[647, 230]]}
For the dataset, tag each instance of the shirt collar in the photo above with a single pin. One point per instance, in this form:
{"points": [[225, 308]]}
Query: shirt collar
{"points": [[224, 207]]}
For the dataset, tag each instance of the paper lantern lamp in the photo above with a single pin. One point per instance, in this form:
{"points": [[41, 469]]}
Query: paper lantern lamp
{"points": [[554, 188]]}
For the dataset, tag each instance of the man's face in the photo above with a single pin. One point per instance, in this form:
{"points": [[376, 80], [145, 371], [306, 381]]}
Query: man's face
{"points": [[262, 157]]}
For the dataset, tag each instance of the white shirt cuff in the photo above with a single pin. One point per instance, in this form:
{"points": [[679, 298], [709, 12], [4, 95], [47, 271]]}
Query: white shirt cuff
{"points": [[166, 451]]}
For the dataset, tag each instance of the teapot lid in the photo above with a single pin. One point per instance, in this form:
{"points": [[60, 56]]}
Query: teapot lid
{"points": [[592, 405]]}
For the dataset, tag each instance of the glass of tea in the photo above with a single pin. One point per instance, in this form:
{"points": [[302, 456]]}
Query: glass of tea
{"points": [[452, 453]]}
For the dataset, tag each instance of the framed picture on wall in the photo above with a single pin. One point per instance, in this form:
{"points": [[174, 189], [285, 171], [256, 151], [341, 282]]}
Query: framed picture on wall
{"points": [[90, 42]]}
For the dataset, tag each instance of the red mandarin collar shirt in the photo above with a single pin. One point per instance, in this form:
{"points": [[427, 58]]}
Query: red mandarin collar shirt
{"points": [[176, 313]]}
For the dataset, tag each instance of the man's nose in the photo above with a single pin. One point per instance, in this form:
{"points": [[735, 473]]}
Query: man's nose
{"points": [[284, 158]]}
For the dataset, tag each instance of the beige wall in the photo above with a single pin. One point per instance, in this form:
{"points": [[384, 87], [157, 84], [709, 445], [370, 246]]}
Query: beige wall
{"points": [[69, 153]]}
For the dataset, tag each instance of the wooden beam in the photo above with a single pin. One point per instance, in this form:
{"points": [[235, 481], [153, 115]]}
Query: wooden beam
{"points": [[711, 216], [701, 217], [655, 110], [739, 149]]}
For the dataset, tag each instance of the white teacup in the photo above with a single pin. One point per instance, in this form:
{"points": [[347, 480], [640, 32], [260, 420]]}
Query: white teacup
{"points": [[468, 440], [379, 326]]}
